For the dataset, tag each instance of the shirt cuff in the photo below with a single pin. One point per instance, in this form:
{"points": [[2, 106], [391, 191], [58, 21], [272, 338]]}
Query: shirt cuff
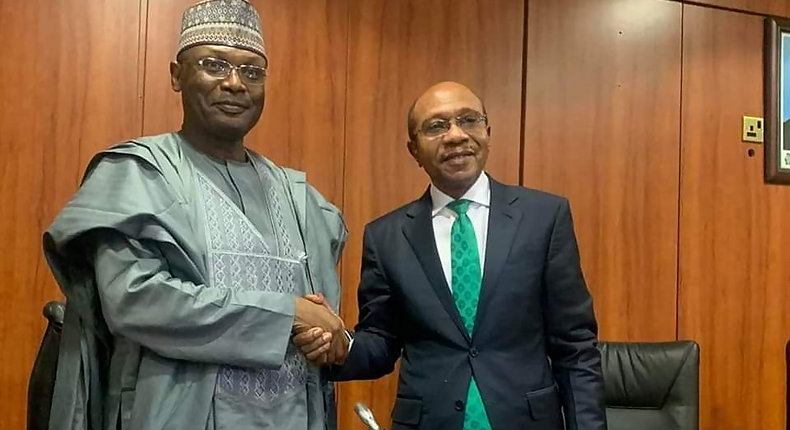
{"points": [[350, 338]]}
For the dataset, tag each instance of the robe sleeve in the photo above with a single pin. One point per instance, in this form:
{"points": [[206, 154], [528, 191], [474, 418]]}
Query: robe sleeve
{"points": [[142, 301]]}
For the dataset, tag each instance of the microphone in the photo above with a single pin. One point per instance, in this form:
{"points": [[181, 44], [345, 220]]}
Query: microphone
{"points": [[365, 414]]}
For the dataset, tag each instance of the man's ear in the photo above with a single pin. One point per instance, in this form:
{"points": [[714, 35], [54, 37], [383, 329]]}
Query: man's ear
{"points": [[412, 146], [176, 70]]}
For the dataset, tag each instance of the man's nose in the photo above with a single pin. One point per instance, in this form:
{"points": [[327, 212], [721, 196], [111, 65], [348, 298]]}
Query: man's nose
{"points": [[455, 133], [233, 82]]}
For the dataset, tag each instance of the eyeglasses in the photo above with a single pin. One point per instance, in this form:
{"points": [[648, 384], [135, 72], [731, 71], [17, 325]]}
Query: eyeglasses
{"points": [[471, 123], [221, 69]]}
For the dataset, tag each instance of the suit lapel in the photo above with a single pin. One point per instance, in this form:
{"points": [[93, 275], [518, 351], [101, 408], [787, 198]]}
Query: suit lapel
{"points": [[503, 221], [419, 233]]}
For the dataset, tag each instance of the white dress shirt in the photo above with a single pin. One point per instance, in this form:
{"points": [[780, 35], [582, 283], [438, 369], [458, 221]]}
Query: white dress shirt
{"points": [[443, 218]]}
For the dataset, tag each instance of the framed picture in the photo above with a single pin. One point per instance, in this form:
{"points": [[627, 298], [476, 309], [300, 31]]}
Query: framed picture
{"points": [[777, 100]]}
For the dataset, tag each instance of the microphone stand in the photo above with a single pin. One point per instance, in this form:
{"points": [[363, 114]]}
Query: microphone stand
{"points": [[366, 416]]}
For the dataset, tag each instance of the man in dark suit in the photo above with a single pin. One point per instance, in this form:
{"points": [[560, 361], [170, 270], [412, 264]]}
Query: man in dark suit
{"points": [[477, 286]]}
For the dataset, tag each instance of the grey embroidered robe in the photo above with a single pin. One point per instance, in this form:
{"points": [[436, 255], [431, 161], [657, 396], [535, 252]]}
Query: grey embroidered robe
{"points": [[153, 363]]}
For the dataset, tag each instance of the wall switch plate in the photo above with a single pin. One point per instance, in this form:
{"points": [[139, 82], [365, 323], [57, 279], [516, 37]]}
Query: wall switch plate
{"points": [[753, 129]]}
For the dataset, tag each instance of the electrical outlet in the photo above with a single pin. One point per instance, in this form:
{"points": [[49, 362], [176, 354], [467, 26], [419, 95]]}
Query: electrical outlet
{"points": [[753, 129]]}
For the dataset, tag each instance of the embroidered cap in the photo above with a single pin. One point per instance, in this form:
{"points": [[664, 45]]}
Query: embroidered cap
{"points": [[232, 23]]}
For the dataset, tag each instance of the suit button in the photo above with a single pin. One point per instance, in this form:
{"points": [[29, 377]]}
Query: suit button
{"points": [[459, 405], [473, 352]]}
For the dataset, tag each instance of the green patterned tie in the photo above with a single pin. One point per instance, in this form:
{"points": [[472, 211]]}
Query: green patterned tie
{"points": [[467, 276]]}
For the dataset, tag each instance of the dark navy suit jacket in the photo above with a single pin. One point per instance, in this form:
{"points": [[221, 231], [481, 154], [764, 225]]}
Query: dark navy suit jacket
{"points": [[533, 350]]}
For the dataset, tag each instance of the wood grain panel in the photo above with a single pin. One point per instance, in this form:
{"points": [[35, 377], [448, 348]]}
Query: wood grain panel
{"points": [[302, 124], [397, 49], [765, 7], [734, 271], [69, 88], [602, 128]]}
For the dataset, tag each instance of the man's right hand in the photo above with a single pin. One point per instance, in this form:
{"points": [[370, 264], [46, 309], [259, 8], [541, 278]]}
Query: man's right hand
{"points": [[310, 315], [321, 344]]}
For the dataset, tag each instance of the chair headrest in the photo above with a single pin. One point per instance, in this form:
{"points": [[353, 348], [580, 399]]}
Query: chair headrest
{"points": [[643, 375]]}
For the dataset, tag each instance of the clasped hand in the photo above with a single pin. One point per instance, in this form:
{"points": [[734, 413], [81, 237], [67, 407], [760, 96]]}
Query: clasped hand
{"points": [[319, 332]]}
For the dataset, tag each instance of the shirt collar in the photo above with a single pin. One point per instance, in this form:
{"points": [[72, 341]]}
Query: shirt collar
{"points": [[479, 193]]}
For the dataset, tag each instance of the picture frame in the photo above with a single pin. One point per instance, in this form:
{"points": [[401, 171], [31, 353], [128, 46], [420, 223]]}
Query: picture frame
{"points": [[777, 100]]}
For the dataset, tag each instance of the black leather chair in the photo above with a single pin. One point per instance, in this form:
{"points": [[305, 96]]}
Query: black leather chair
{"points": [[651, 386], [42, 378]]}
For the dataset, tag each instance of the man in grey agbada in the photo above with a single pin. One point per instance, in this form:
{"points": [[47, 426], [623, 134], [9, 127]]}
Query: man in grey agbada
{"points": [[185, 257]]}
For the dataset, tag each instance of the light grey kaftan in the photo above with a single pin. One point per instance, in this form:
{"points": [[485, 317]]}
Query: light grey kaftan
{"points": [[189, 314]]}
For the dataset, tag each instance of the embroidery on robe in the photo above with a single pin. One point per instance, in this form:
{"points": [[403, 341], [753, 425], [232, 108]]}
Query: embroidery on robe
{"points": [[240, 259]]}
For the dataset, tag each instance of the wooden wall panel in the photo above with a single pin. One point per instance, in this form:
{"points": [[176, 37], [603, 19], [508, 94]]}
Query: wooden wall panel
{"points": [[302, 124], [602, 125], [734, 271], [69, 86], [602, 128], [162, 106], [398, 49], [765, 7]]}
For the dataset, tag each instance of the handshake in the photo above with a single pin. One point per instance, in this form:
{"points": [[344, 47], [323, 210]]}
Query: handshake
{"points": [[319, 332]]}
